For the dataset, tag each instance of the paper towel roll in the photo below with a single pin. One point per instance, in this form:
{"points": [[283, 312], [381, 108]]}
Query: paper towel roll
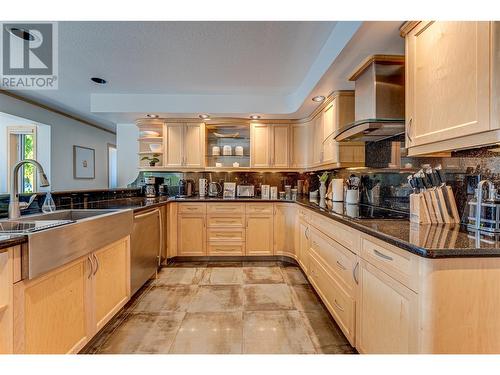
{"points": [[337, 189]]}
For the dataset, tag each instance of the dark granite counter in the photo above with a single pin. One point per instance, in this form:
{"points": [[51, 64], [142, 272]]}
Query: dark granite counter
{"points": [[9, 240], [430, 241]]}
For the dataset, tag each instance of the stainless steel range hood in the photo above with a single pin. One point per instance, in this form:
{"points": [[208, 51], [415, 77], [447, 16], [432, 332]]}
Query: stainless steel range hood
{"points": [[379, 100]]}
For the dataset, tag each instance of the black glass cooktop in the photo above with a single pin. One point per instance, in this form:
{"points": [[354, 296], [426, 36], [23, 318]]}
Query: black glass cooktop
{"points": [[366, 212]]}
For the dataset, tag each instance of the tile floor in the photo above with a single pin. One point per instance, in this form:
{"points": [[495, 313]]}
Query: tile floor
{"points": [[224, 307]]}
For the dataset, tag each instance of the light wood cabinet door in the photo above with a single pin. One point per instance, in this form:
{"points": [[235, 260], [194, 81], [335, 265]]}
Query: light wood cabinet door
{"points": [[301, 145], [111, 281], [53, 312], [261, 146], [284, 229], [259, 235], [280, 146], [194, 146], [174, 141], [317, 142], [447, 81], [386, 318], [191, 238], [6, 302], [303, 246], [330, 146]]}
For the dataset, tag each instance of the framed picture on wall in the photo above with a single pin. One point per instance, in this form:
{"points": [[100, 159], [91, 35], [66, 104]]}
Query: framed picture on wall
{"points": [[83, 162]]}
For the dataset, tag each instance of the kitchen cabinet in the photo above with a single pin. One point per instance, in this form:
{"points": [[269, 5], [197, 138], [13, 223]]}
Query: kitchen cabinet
{"points": [[191, 227], [448, 78], [10, 268], [303, 245], [284, 229], [317, 147], [185, 145], [330, 147], [53, 313], [111, 281], [259, 229], [301, 149], [270, 146], [226, 234], [62, 310], [387, 319]]}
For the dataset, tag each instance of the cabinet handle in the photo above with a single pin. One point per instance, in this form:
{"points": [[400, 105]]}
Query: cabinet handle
{"points": [[337, 305], [341, 266], [89, 258], [378, 253], [354, 272], [305, 233], [408, 130], [96, 264]]}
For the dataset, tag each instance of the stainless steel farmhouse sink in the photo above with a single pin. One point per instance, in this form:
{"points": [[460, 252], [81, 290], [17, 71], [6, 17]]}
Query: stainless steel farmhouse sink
{"points": [[57, 238]]}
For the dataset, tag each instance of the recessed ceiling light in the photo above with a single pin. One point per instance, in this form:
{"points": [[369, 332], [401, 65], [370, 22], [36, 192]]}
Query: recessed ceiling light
{"points": [[204, 117], [22, 33], [150, 115], [98, 80], [255, 117], [318, 99]]}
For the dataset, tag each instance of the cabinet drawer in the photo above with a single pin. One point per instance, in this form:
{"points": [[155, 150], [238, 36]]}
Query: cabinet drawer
{"points": [[339, 232], [226, 248], [259, 208], [232, 221], [393, 262], [192, 208], [340, 304], [226, 208], [226, 234], [336, 259]]}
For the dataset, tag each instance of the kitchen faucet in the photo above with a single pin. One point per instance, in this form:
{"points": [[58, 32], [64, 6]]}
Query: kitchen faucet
{"points": [[14, 209]]}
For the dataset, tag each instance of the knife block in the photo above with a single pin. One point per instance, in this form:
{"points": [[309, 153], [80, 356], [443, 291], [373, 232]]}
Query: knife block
{"points": [[419, 212]]}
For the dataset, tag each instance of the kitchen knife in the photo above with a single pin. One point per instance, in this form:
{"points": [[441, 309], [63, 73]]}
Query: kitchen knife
{"points": [[424, 185], [437, 202], [441, 195]]}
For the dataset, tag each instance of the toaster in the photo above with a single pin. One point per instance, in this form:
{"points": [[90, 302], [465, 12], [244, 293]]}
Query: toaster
{"points": [[245, 191]]}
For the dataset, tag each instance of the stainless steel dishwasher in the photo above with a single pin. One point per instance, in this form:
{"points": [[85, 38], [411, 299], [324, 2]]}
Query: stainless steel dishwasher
{"points": [[146, 247]]}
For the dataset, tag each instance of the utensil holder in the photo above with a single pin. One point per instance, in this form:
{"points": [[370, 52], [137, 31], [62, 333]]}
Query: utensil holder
{"points": [[352, 196], [419, 213]]}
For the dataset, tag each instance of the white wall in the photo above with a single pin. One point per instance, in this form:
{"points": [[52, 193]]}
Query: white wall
{"points": [[128, 147], [65, 133]]}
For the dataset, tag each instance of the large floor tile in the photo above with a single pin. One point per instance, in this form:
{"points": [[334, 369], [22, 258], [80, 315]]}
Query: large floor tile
{"points": [[143, 333], [262, 275], [324, 332], [222, 276], [267, 332], [293, 276], [215, 333], [305, 298], [179, 276], [165, 298], [268, 297], [217, 298]]}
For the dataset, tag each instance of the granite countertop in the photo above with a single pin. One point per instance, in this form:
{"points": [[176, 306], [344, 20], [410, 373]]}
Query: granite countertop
{"points": [[9, 240], [430, 241]]}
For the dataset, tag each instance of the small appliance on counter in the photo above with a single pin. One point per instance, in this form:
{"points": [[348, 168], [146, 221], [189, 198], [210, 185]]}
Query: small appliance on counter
{"points": [[203, 187], [229, 190], [186, 188], [484, 211], [214, 189], [245, 191], [264, 192], [152, 187]]}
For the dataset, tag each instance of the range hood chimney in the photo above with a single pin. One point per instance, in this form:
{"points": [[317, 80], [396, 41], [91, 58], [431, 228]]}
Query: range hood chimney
{"points": [[379, 100]]}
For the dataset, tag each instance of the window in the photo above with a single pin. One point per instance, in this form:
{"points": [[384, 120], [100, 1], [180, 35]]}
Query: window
{"points": [[112, 167], [22, 145]]}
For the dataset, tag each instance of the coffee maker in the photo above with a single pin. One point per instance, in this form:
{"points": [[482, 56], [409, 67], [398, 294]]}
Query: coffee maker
{"points": [[151, 188]]}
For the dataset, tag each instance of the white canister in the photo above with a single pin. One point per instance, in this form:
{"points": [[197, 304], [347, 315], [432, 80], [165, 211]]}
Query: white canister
{"points": [[265, 191], [216, 151], [337, 189], [352, 196], [238, 151], [274, 192], [203, 183], [227, 150]]}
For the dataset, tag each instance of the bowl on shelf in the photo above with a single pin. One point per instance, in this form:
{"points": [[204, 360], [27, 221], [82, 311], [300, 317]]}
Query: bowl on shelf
{"points": [[155, 147], [149, 133]]}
